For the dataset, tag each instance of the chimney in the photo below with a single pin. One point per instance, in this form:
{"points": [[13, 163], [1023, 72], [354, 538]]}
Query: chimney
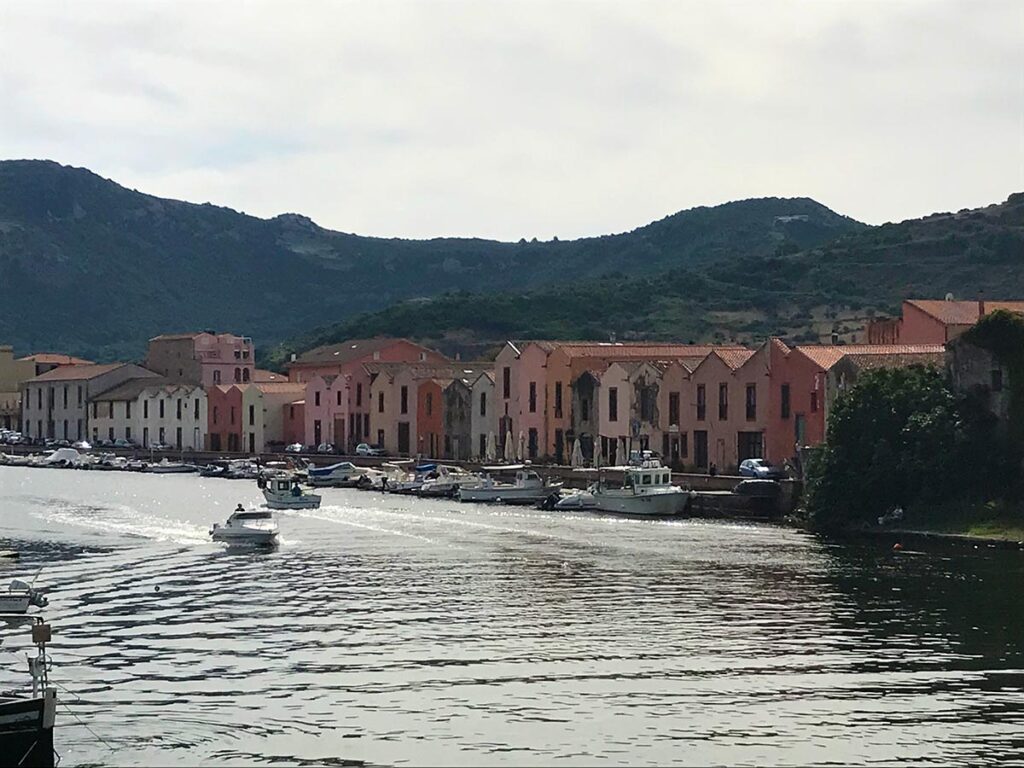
{"points": [[981, 306], [293, 357], [835, 337]]}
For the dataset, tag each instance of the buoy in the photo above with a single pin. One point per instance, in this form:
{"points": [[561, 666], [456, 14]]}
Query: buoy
{"points": [[156, 588], [897, 547]]}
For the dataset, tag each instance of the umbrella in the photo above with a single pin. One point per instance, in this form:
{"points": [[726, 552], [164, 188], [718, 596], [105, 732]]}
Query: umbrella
{"points": [[618, 453], [597, 450], [521, 452], [492, 447], [577, 454], [510, 448]]}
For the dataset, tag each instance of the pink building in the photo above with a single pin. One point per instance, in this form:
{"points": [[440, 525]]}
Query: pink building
{"points": [[521, 395], [203, 358], [927, 321], [347, 360]]}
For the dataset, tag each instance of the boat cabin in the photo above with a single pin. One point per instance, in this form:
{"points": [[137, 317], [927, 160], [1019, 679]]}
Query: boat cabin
{"points": [[256, 515]]}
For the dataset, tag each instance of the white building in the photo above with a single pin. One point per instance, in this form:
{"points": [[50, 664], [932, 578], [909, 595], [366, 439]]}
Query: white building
{"points": [[484, 413], [148, 412]]}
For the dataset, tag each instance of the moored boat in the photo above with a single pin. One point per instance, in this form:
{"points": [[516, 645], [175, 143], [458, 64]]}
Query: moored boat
{"points": [[20, 596], [445, 481], [344, 474], [284, 492], [646, 491], [166, 467], [27, 719], [524, 486]]}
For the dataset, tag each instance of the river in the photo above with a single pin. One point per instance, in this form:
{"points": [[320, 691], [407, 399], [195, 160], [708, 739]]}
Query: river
{"points": [[395, 630]]}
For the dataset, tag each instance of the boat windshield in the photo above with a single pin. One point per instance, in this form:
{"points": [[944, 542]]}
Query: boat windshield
{"points": [[252, 516]]}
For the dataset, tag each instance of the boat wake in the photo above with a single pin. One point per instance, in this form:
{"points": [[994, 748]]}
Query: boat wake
{"points": [[125, 521]]}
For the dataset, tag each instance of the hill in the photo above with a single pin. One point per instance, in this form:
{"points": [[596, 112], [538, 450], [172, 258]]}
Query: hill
{"points": [[802, 296], [92, 268]]}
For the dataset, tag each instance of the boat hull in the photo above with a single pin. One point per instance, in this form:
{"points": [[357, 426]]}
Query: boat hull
{"points": [[649, 505], [506, 495], [306, 501], [26, 730], [245, 538], [16, 603]]}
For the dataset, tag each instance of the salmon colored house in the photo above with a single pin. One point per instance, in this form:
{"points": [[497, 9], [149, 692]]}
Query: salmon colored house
{"points": [[927, 321], [429, 417], [224, 412]]}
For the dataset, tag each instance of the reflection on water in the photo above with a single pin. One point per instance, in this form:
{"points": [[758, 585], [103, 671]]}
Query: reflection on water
{"points": [[394, 630]]}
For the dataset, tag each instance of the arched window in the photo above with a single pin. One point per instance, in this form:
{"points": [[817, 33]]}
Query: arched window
{"points": [[245, 374], [216, 377], [238, 374]]}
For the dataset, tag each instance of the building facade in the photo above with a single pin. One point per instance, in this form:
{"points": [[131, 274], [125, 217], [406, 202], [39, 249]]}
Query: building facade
{"points": [[203, 358]]}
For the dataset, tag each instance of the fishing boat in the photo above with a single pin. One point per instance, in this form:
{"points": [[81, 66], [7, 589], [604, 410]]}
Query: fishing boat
{"points": [[510, 484], [247, 527], [344, 474], [20, 596], [445, 481], [646, 491], [27, 719], [284, 492]]}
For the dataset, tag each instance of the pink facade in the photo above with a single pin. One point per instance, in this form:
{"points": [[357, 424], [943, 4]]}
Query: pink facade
{"points": [[224, 418], [206, 359], [327, 411], [294, 422], [521, 394]]}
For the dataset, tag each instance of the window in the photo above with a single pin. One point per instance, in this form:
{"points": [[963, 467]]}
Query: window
{"points": [[533, 397], [177, 408], [647, 403], [161, 408], [702, 405], [127, 409], [613, 404], [483, 405], [403, 400], [380, 438], [684, 445], [814, 402], [339, 397], [177, 438], [127, 433], [316, 399], [65, 396], [483, 445], [751, 402], [785, 401], [216, 377], [39, 402], [366, 424], [145, 409], [195, 410], [110, 409], [506, 382], [532, 444], [723, 402], [558, 399], [430, 403], [232, 414], [359, 395], [65, 429], [110, 433], [584, 410], [94, 405], [162, 437], [245, 374], [79, 396], [78, 432], [673, 408], [997, 380], [238, 354], [252, 415], [238, 374]]}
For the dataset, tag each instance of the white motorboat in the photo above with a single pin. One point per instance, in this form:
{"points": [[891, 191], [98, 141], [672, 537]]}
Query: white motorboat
{"points": [[20, 596], [445, 481], [344, 474], [62, 457], [252, 527], [577, 500], [524, 487], [403, 480], [646, 491], [165, 467], [284, 492]]}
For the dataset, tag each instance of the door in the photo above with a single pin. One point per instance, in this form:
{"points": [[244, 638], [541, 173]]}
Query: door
{"points": [[700, 448], [339, 434], [559, 447], [403, 437], [317, 433], [252, 442]]}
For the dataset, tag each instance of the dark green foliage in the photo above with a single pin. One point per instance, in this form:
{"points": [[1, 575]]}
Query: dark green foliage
{"points": [[900, 438], [1002, 334]]}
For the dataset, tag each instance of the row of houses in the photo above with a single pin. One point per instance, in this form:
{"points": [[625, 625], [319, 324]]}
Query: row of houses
{"points": [[699, 405]]}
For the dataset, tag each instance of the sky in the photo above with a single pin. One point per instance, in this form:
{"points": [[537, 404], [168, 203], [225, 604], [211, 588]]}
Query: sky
{"points": [[523, 119]]}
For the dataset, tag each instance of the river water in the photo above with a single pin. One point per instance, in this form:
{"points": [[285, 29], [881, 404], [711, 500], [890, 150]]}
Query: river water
{"points": [[394, 630]]}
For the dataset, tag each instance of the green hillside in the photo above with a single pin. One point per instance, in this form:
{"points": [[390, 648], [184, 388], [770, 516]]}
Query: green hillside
{"points": [[95, 269], [802, 296]]}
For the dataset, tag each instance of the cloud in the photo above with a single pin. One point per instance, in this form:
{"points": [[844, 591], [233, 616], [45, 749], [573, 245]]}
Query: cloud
{"points": [[511, 119]]}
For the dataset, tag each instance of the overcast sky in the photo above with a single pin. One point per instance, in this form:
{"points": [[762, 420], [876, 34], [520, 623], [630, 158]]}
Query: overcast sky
{"points": [[512, 119]]}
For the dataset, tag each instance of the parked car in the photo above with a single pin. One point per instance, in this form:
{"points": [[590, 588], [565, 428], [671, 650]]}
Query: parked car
{"points": [[365, 449], [325, 448], [159, 446], [125, 443], [82, 445], [293, 448], [104, 442], [760, 469]]}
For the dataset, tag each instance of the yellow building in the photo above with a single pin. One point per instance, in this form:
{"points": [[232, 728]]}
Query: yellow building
{"points": [[12, 374]]}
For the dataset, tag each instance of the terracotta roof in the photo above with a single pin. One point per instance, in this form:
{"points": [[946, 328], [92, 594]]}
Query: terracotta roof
{"points": [[280, 386], [961, 312], [260, 375], [828, 355], [177, 336], [132, 388], [896, 359], [734, 358], [350, 350], [546, 344], [78, 372], [56, 359]]}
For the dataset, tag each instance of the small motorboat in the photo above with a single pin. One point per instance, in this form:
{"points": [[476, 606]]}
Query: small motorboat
{"points": [[525, 486], [284, 492], [165, 467], [647, 491], [255, 527], [344, 474], [20, 596], [445, 481]]}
